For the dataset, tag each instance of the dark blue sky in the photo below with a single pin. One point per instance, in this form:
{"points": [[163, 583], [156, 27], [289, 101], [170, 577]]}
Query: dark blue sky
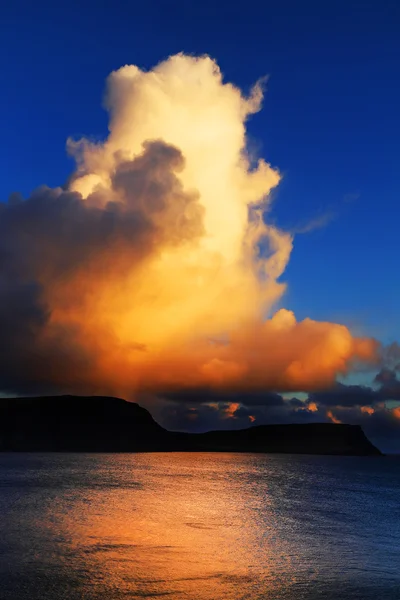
{"points": [[330, 120]]}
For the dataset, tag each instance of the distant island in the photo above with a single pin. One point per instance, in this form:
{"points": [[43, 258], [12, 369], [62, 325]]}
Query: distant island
{"points": [[106, 424]]}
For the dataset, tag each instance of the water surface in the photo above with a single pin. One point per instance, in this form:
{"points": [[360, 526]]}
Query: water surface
{"points": [[199, 527]]}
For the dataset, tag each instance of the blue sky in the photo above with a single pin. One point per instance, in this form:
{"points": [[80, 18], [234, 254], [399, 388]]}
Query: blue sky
{"points": [[330, 120]]}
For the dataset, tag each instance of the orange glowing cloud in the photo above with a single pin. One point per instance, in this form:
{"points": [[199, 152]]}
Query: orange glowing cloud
{"points": [[332, 417], [230, 410], [169, 288], [368, 410], [396, 412], [312, 406]]}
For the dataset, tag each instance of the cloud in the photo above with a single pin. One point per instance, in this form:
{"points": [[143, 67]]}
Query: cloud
{"points": [[345, 395], [155, 270], [351, 197], [390, 356], [367, 410], [196, 396], [380, 423], [59, 253], [326, 217], [360, 395], [370, 407], [396, 412], [318, 222], [332, 417]]}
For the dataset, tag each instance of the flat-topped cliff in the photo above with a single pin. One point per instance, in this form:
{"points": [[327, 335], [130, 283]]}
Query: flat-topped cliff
{"points": [[107, 424]]}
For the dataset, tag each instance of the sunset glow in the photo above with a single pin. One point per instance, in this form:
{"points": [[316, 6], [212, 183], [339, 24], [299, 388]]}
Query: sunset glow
{"points": [[199, 300], [332, 417], [176, 279], [396, 412]]}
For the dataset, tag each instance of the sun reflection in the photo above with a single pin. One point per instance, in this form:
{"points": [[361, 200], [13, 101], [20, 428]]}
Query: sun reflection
{"points": [[198, 534]]}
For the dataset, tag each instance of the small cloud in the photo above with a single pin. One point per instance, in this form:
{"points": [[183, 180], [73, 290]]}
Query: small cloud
{"points": [[332, 417], [315, 223], [348, 198], [229, 410], [396, 412]]}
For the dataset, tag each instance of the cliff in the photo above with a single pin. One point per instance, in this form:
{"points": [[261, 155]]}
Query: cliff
{"points": [[307, 438], [78, 423], [105, 424]]}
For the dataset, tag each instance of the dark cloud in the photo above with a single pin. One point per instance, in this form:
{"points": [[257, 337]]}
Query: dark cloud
{"points": [[205, 417], [381, 426], [387, 388], [204, 410], [385, 376], [55, 231], [54, 244], [389, 384], [345, 395], [360, 395], [390, 356], [296, 402], [209, 396]]}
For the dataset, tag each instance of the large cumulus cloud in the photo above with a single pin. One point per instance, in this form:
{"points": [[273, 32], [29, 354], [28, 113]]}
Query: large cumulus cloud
{"points": [[155, 270]]}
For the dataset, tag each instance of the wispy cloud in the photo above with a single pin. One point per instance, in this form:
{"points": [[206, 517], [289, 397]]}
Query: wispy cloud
{"points": [[353, 197], [318, 222]]}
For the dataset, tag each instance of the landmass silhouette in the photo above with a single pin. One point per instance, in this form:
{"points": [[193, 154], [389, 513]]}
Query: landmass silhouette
{"points": [[107, 424]]}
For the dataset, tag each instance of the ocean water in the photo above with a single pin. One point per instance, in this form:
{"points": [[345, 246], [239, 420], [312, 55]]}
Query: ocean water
{"points": [[199, 527]]}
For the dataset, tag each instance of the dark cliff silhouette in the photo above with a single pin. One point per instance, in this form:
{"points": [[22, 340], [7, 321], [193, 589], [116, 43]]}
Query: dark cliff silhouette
{"points": [[104, 424]]}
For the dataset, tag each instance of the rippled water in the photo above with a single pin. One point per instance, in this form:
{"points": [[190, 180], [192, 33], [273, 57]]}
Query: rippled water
{"points": [[199, 526]]}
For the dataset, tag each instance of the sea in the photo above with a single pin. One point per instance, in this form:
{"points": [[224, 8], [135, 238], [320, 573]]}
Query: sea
{"points": [[206, 526]]}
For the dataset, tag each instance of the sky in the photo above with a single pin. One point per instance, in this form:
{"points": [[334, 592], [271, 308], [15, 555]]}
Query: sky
{"points": [[328, 124]]}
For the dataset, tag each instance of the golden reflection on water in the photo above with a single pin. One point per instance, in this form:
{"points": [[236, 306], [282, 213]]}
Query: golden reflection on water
{"points": [[198, 527], [170, 526]]}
